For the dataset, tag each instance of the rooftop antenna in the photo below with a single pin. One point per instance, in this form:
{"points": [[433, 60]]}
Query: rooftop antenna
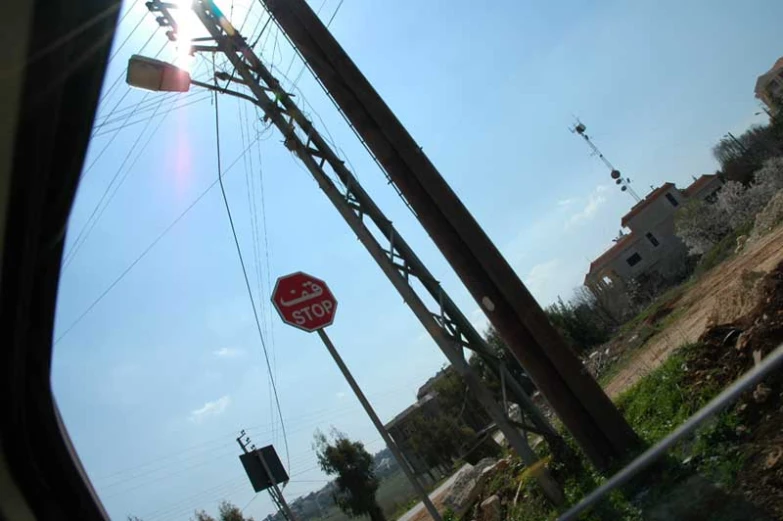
{"points": [[623, 183]]}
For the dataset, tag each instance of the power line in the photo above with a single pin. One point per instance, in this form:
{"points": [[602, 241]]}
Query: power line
{"points": [[142, 120], [110, 192], [249, 502], [247, 281], [217, 490], [108, 143], [145, 107], [128, 37], [141, 256]]}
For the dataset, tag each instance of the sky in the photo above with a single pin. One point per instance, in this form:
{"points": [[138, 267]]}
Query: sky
{"points": [[156, 373]]}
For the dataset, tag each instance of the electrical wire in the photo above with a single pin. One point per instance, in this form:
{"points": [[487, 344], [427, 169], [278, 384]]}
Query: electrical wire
{"points": [[195, 100], [84, 173], [140, 257], [247, 280], [249, 502], [219, 490], [128, 37], [111, 190], [144, 107]]}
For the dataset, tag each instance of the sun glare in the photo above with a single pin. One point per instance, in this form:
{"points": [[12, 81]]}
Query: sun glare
{"points": [[187, 28]]}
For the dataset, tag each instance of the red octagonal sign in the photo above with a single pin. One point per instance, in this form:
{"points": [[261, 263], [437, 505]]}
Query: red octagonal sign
{"points": [[304, 301]]}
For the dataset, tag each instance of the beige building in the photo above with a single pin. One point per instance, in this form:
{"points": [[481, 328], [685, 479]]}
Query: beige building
{"points": [[769, 86], [650, 251]]}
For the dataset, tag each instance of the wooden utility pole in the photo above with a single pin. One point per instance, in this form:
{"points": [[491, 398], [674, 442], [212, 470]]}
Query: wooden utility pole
{"points": [[579, 401]]}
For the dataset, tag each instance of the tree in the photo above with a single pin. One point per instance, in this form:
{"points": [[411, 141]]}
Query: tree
{"points": [[700, 225], [439, 439], [230, 512], [741, 156], [356, 483], [226, 512], [578, 323]]}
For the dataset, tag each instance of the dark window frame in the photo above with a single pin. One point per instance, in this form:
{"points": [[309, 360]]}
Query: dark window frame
{"points": [[653, 239], [672, 200], [634, 259]]}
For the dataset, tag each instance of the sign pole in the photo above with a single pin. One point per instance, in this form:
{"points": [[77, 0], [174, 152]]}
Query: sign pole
{"points": [[378, 425]]}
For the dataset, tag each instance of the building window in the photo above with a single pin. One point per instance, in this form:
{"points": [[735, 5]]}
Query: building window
{"points": [[634, 259], [652, 239], [671, 199]]}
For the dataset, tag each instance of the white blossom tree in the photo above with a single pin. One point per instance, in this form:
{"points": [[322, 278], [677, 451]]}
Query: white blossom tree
{"points": [[701, 225]]}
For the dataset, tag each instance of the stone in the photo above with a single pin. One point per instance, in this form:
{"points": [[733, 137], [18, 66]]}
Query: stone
{"points": [[761, 393], [467, 486], [741, 240], [489, 510], [773, 458]]}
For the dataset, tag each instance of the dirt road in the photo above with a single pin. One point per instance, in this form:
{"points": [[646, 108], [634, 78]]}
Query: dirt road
{"points": [[722, 295]]}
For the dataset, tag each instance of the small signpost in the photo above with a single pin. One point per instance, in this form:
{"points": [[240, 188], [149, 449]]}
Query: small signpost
{"points": [[307, 303]]}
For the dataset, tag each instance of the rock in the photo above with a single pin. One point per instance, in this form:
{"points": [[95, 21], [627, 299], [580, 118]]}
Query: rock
{"points": [[761, 393], [773, 458], [489, 510], [467, 486], [741, 240], [742, 341]]}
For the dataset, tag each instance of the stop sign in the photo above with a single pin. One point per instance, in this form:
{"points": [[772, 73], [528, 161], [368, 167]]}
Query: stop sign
{"points": [[304, 301]]}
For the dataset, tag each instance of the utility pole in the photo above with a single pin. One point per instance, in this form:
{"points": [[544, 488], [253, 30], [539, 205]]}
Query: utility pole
{"points": [[442, 319], [274, 491], [597, 426]]}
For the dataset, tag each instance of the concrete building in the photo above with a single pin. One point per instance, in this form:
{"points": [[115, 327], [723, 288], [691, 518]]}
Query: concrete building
{"points": [[769, 87], [402, 427], [650, 252]]}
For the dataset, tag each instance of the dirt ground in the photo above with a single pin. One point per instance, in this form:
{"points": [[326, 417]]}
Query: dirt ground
{"points": [[722, 295]]}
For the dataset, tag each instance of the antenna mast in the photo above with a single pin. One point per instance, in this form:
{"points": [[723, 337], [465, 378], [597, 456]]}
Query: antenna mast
{"points": [[624, 183]]}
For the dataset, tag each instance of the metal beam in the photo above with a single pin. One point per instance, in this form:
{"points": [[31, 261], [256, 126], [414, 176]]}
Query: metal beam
{"points": [[579, 401]]}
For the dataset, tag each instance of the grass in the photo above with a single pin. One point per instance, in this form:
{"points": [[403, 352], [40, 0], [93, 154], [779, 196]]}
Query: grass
{"points": [[724, 249], [659, 402], [654, 406]]}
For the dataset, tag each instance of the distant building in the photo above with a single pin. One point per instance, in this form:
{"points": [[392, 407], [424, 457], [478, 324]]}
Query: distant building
{"points": [[402, 427], [651, 250], [769, 87]]}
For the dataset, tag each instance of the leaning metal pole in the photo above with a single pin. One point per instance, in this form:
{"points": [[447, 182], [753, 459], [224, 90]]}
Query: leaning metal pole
{"points": [[597, 426]]}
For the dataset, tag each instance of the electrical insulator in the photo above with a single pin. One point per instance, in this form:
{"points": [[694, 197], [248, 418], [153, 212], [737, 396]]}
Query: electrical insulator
{"points": [[615, 174]]}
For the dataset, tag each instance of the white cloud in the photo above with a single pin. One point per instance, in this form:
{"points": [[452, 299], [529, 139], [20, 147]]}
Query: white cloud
{"points": [[340, 395], [566, 202], [210, 409], [228, 352], [595, 200], [542, 277]]}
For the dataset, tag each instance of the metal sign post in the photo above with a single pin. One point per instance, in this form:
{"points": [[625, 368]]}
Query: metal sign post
{"points": [[298, 291]]}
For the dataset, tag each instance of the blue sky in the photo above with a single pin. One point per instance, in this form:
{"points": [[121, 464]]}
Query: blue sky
{"points": [[158, 377]]}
